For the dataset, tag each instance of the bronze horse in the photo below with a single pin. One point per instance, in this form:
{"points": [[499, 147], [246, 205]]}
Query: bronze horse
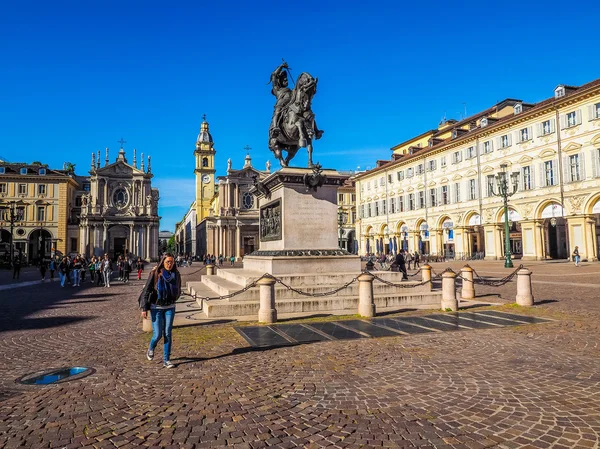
{"points": [[296, 126]]}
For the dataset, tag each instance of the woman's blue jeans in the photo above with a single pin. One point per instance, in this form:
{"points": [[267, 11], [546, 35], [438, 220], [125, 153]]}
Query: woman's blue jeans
{"points": [[162, 323]]}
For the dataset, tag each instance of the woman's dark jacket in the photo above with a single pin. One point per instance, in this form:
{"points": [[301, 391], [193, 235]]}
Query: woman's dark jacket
{"points": [[149, 294]]}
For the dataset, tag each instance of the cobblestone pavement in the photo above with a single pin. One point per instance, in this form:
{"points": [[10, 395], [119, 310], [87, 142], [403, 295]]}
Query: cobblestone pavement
{"points": [[534, 386]]}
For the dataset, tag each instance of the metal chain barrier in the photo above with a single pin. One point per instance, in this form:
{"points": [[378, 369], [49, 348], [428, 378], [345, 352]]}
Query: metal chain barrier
{"points": [[492, 282], [279, 281], [414, 274], [300, 292], [393, 284]]}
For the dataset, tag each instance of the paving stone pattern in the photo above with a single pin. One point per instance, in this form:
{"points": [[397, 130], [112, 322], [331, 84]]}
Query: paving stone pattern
{"points": [[286, 334], [529, 386]]}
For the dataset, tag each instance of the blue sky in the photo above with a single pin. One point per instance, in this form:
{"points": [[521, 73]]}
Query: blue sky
{"points": [[77, 76]]}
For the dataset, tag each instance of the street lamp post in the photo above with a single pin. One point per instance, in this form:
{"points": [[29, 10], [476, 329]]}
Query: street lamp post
{"points": [[341, 221], [505, 191], [15, 214]]}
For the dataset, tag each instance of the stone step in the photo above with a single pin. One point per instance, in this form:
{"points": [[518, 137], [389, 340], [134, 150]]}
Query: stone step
{"points": [[245, 277], [239, 309], [222, 287]]}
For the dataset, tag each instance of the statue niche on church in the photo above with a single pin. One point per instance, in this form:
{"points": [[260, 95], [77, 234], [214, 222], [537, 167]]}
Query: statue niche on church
{"points": [[293, 125]]}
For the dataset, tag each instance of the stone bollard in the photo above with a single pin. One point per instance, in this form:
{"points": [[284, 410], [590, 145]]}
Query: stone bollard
{"points": [[366, 305], [449, 300], [267, 313], [147, 323], [468, 287], [426, 275], [210, 270], [524, 292]]}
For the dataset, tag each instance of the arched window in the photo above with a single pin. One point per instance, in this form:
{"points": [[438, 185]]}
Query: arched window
{"points": [[205, 162]]}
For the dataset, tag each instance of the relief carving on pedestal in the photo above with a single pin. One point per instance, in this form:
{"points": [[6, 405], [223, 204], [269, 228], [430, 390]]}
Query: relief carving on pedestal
{"points": [[270, 221]]}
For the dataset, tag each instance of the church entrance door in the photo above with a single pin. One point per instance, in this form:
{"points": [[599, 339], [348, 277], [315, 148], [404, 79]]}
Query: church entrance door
{"points": [[119, 247]]}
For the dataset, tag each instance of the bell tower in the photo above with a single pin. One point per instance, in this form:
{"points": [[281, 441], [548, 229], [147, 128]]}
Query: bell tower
{"points": [[205, 171]]}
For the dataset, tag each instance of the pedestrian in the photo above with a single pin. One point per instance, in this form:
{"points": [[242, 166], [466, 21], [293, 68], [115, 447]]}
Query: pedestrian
{"points": [[52, 269], [84, 268], [120, 267], [232, 260], [576, 257], [98, 269], [63, 271], [126, 269], [139, 265], [43, 268], [416, 258], [16, 267], [159, 295], [76, 271], [221, 260], [107, 270], [409, 259], [92, 268], [401, 262]]}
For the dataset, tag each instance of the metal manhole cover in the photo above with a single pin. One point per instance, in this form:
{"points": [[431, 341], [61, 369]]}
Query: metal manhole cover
{"points": [[55, 376]]}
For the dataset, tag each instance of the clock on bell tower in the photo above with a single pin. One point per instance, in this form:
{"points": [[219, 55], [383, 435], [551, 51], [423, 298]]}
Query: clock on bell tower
{"points": [[205, 171]]}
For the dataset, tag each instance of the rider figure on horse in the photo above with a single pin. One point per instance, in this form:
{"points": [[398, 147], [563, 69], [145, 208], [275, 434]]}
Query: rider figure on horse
{"points": [[282, 92]]}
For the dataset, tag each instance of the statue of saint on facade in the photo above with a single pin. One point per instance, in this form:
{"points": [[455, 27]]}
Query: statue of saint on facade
{"points": [[293, 125]]}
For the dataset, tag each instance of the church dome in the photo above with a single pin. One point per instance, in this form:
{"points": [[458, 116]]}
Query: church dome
{"points": [[204, 136]]}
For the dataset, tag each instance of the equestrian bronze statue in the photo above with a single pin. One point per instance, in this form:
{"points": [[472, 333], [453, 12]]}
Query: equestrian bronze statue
{"points": [[293, 125]]}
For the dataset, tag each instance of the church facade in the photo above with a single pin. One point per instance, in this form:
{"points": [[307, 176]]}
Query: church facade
{"points": [[116, 210], [223, 219]]}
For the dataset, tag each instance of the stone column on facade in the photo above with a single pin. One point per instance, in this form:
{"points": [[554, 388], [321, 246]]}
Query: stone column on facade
{"points": [[105, 242], [591, 229], [130, 243], [579, 236], [539, 240], [490, 253], [148, 241], [439, 241], [238, 242], [105, 202]]}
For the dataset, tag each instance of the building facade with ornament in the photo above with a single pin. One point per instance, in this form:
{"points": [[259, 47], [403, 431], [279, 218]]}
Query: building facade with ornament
{"points": [[438, 193], [223, 219], [115, 211], [34, 204]]}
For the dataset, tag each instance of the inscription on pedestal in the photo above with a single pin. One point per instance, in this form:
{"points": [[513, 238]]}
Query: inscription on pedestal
{"points": [[270, 221]]}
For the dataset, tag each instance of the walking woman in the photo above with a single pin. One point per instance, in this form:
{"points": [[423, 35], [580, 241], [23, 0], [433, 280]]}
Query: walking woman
{"points": [[162, 290], [139, 265]]}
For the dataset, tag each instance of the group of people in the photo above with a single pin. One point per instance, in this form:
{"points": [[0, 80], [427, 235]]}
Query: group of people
{"points": [[73, 270]]}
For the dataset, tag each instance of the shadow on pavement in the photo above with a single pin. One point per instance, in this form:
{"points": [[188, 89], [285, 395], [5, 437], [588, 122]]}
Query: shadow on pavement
{"points": [[46, 322], [236, 351]]}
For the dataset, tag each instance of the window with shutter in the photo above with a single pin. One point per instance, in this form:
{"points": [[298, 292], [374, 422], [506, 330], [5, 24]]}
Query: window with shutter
{"points": [[596, 162]]}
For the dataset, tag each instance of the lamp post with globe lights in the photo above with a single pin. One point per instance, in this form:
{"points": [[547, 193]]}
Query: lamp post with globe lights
{"points": [[507, 185], [13, 213]]}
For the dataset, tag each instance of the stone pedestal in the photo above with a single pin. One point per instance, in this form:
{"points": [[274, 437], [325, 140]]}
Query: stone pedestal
{"points": [[299, 225], [468, 287], [366, 305], [267, 313], [449, 300], [524, 294]]}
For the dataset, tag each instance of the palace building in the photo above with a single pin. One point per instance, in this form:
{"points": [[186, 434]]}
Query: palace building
{"points": [[39, 198], [437, 194]]}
